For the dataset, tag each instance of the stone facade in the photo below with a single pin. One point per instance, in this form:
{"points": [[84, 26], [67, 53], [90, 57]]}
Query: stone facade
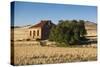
{"points": [[35, 33]]}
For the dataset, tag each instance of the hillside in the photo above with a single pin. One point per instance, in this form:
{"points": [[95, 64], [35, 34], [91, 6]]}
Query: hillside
{"points": [[91, 25], [91, 28]]}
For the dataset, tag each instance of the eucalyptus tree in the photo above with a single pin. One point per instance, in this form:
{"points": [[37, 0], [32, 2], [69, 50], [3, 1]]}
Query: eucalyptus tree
{"points": [[68, 32]]}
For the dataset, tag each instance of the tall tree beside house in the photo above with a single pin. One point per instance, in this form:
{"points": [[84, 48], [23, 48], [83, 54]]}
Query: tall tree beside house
{"points": [[68, 32]]}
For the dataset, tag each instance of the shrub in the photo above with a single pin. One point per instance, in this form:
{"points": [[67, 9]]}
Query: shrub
{"points": [[68, 32]]}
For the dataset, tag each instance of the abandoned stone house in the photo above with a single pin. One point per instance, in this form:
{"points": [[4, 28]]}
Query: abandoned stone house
{"points": [[40, 30]]}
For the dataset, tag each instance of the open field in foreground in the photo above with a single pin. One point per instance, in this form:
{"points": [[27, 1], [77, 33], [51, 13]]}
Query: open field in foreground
{"points": [[35, 54]]}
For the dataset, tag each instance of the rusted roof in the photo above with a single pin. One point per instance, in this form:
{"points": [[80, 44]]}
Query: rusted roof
{"points": [[41, 23]]}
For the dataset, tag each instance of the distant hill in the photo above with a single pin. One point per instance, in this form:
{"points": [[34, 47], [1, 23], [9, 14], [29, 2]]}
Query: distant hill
{"points": [[15, 26], [90, 25], [26, 26]]}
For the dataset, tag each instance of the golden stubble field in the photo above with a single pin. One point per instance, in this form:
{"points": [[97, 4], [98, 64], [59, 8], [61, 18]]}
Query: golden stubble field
{"points": [[36, 54], [26, 53]]}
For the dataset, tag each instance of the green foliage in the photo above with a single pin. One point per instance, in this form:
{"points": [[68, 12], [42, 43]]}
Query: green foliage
{"points": [[68, 32]]}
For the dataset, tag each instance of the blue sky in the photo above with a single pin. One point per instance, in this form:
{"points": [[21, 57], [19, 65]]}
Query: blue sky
{"points": [[31, 13]]}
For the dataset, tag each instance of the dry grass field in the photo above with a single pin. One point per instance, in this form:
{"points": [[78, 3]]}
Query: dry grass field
{"points": [[36, 54], [27, 53]]}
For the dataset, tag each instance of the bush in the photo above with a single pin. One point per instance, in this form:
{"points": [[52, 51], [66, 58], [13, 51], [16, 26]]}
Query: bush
{"points": [[68, 32]]}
